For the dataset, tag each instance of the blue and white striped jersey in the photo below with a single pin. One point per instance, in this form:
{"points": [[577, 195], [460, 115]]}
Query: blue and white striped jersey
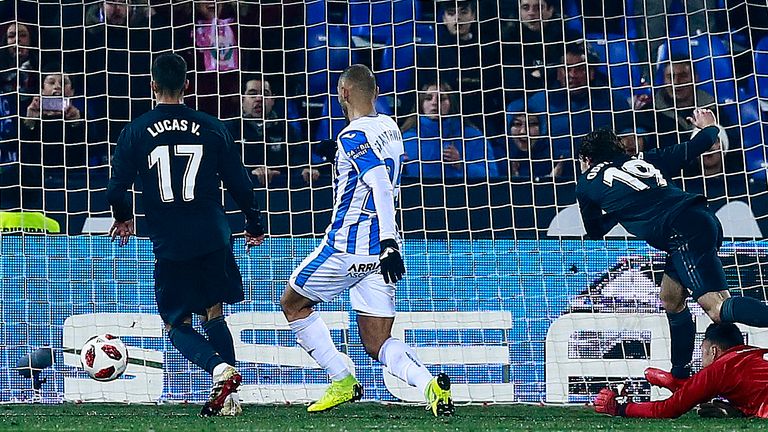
{"points": [[365, 143]]}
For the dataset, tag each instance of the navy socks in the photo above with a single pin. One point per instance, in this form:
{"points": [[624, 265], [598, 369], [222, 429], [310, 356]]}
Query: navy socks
{"points": [[745, 310], [682, 331], [221, 339], [194, 347]]}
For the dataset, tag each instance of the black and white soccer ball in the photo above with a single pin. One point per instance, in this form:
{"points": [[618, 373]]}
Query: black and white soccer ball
{"points": [[104, 357]]}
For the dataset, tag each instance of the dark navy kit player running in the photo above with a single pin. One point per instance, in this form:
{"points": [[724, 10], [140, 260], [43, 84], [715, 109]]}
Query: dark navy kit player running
{"points": [[634, 191], [182, 156]]}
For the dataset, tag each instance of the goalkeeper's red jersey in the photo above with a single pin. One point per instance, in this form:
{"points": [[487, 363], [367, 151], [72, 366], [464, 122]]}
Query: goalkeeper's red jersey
{"points": [[739, 375]]}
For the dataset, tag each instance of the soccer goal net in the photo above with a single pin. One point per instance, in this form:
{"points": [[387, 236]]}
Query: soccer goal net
{"points": [[502, 291]]}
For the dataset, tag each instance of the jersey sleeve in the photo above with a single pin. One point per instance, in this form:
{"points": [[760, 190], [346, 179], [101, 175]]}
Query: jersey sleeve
{"points": [[124, 171], [235, 178], [703, 386], [672, 159], [357, 149], [596, 223]]}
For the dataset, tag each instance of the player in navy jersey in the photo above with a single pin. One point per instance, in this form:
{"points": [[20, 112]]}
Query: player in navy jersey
{"points": [[360, 253], [732, 370], [182, 156], [634, 191]]}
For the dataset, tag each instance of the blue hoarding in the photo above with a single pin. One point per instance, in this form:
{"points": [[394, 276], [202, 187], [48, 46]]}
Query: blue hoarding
{"points": [[52, 287]]}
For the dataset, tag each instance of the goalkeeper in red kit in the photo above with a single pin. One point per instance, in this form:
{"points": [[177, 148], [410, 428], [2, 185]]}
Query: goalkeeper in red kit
{"points": [[732, 370]]}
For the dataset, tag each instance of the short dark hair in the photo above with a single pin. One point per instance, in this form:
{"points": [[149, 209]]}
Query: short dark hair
{"points": [[471, 4], [724, 335], [579, 48], [169, 71], [361, 78], [601, 145]]}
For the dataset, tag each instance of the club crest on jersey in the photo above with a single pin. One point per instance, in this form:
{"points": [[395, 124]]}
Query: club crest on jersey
{"points": [[362, 270]]}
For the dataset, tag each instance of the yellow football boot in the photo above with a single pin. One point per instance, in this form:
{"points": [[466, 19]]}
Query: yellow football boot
{"points": [[346, 390], [438, 396]]}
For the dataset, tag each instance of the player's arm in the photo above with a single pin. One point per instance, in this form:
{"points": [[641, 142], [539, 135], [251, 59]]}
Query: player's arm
{"points": [[235, 178], [596, 223], [372, 171], [702, 387], [124, 172], [674, 158]]}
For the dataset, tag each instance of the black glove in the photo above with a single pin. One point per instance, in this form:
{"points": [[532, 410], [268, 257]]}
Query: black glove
{"points": [[718, 408], [325, 149], [253, 227], [392, 266]]}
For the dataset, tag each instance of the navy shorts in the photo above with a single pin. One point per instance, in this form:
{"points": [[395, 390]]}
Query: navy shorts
{"points": [[191, 286], [692, 259]]}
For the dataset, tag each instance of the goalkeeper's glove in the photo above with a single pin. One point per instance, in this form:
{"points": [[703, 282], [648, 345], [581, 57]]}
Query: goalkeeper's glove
{"points": [[605, 403], [718, 408], [392, 266]]}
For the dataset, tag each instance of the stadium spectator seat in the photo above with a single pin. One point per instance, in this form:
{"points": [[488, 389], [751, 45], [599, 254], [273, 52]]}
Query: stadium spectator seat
{"points": [[398, 60], [612, 27], [373, 20], [761, 69], [622, 63], [329, 126], [328, 53], [711, 60]]}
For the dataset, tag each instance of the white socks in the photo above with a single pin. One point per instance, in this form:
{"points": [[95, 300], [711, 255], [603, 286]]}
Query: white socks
{"points": [[219, 369], [402, 362], [313, 335]]}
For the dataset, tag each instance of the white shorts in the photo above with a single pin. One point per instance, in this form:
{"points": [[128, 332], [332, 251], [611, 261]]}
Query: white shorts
{"points": [[326, 273]]}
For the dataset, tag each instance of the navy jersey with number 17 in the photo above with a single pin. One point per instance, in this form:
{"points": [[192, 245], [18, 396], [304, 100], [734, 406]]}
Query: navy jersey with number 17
{"points": [[181, 156], [635, 192]]}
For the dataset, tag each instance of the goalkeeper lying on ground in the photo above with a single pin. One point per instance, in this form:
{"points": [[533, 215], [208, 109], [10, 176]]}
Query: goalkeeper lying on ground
{"points": [[732, 370]]}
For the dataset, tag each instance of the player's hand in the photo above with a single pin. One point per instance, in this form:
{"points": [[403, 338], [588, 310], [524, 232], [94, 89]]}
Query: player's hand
{"points": [[33, 109], [392, 266], [254, 234], [310, 174], [265, 175], [252, 240], [451, 154], [72, 113], [124, 230], [702, 118], [605, 402]]}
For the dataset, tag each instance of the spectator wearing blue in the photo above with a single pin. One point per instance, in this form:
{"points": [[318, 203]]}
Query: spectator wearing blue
{"points": [[581, 103], [529, 154], [440, 144]]}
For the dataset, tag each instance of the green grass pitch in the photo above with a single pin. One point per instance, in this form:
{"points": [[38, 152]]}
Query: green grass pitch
{"points": [[354, 417]]}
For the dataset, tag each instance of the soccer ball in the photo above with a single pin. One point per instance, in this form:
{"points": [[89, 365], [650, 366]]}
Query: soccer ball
{"points": [[104, 357]]}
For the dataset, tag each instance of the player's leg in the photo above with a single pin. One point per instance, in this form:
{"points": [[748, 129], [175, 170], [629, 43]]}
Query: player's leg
{"points": [[373, 299], [221, 339], [682, 330], [180, 290], [223, 284], [312, 333], [698, 258], [193, 346], [320, 277], [174, 287]]}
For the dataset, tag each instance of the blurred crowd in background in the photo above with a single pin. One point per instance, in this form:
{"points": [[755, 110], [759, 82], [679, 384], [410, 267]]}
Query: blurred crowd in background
{"points": [[486, 91]]}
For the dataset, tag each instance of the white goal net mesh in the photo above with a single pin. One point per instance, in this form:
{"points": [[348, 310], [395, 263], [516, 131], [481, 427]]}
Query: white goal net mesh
{"points": [[493, 96]]}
